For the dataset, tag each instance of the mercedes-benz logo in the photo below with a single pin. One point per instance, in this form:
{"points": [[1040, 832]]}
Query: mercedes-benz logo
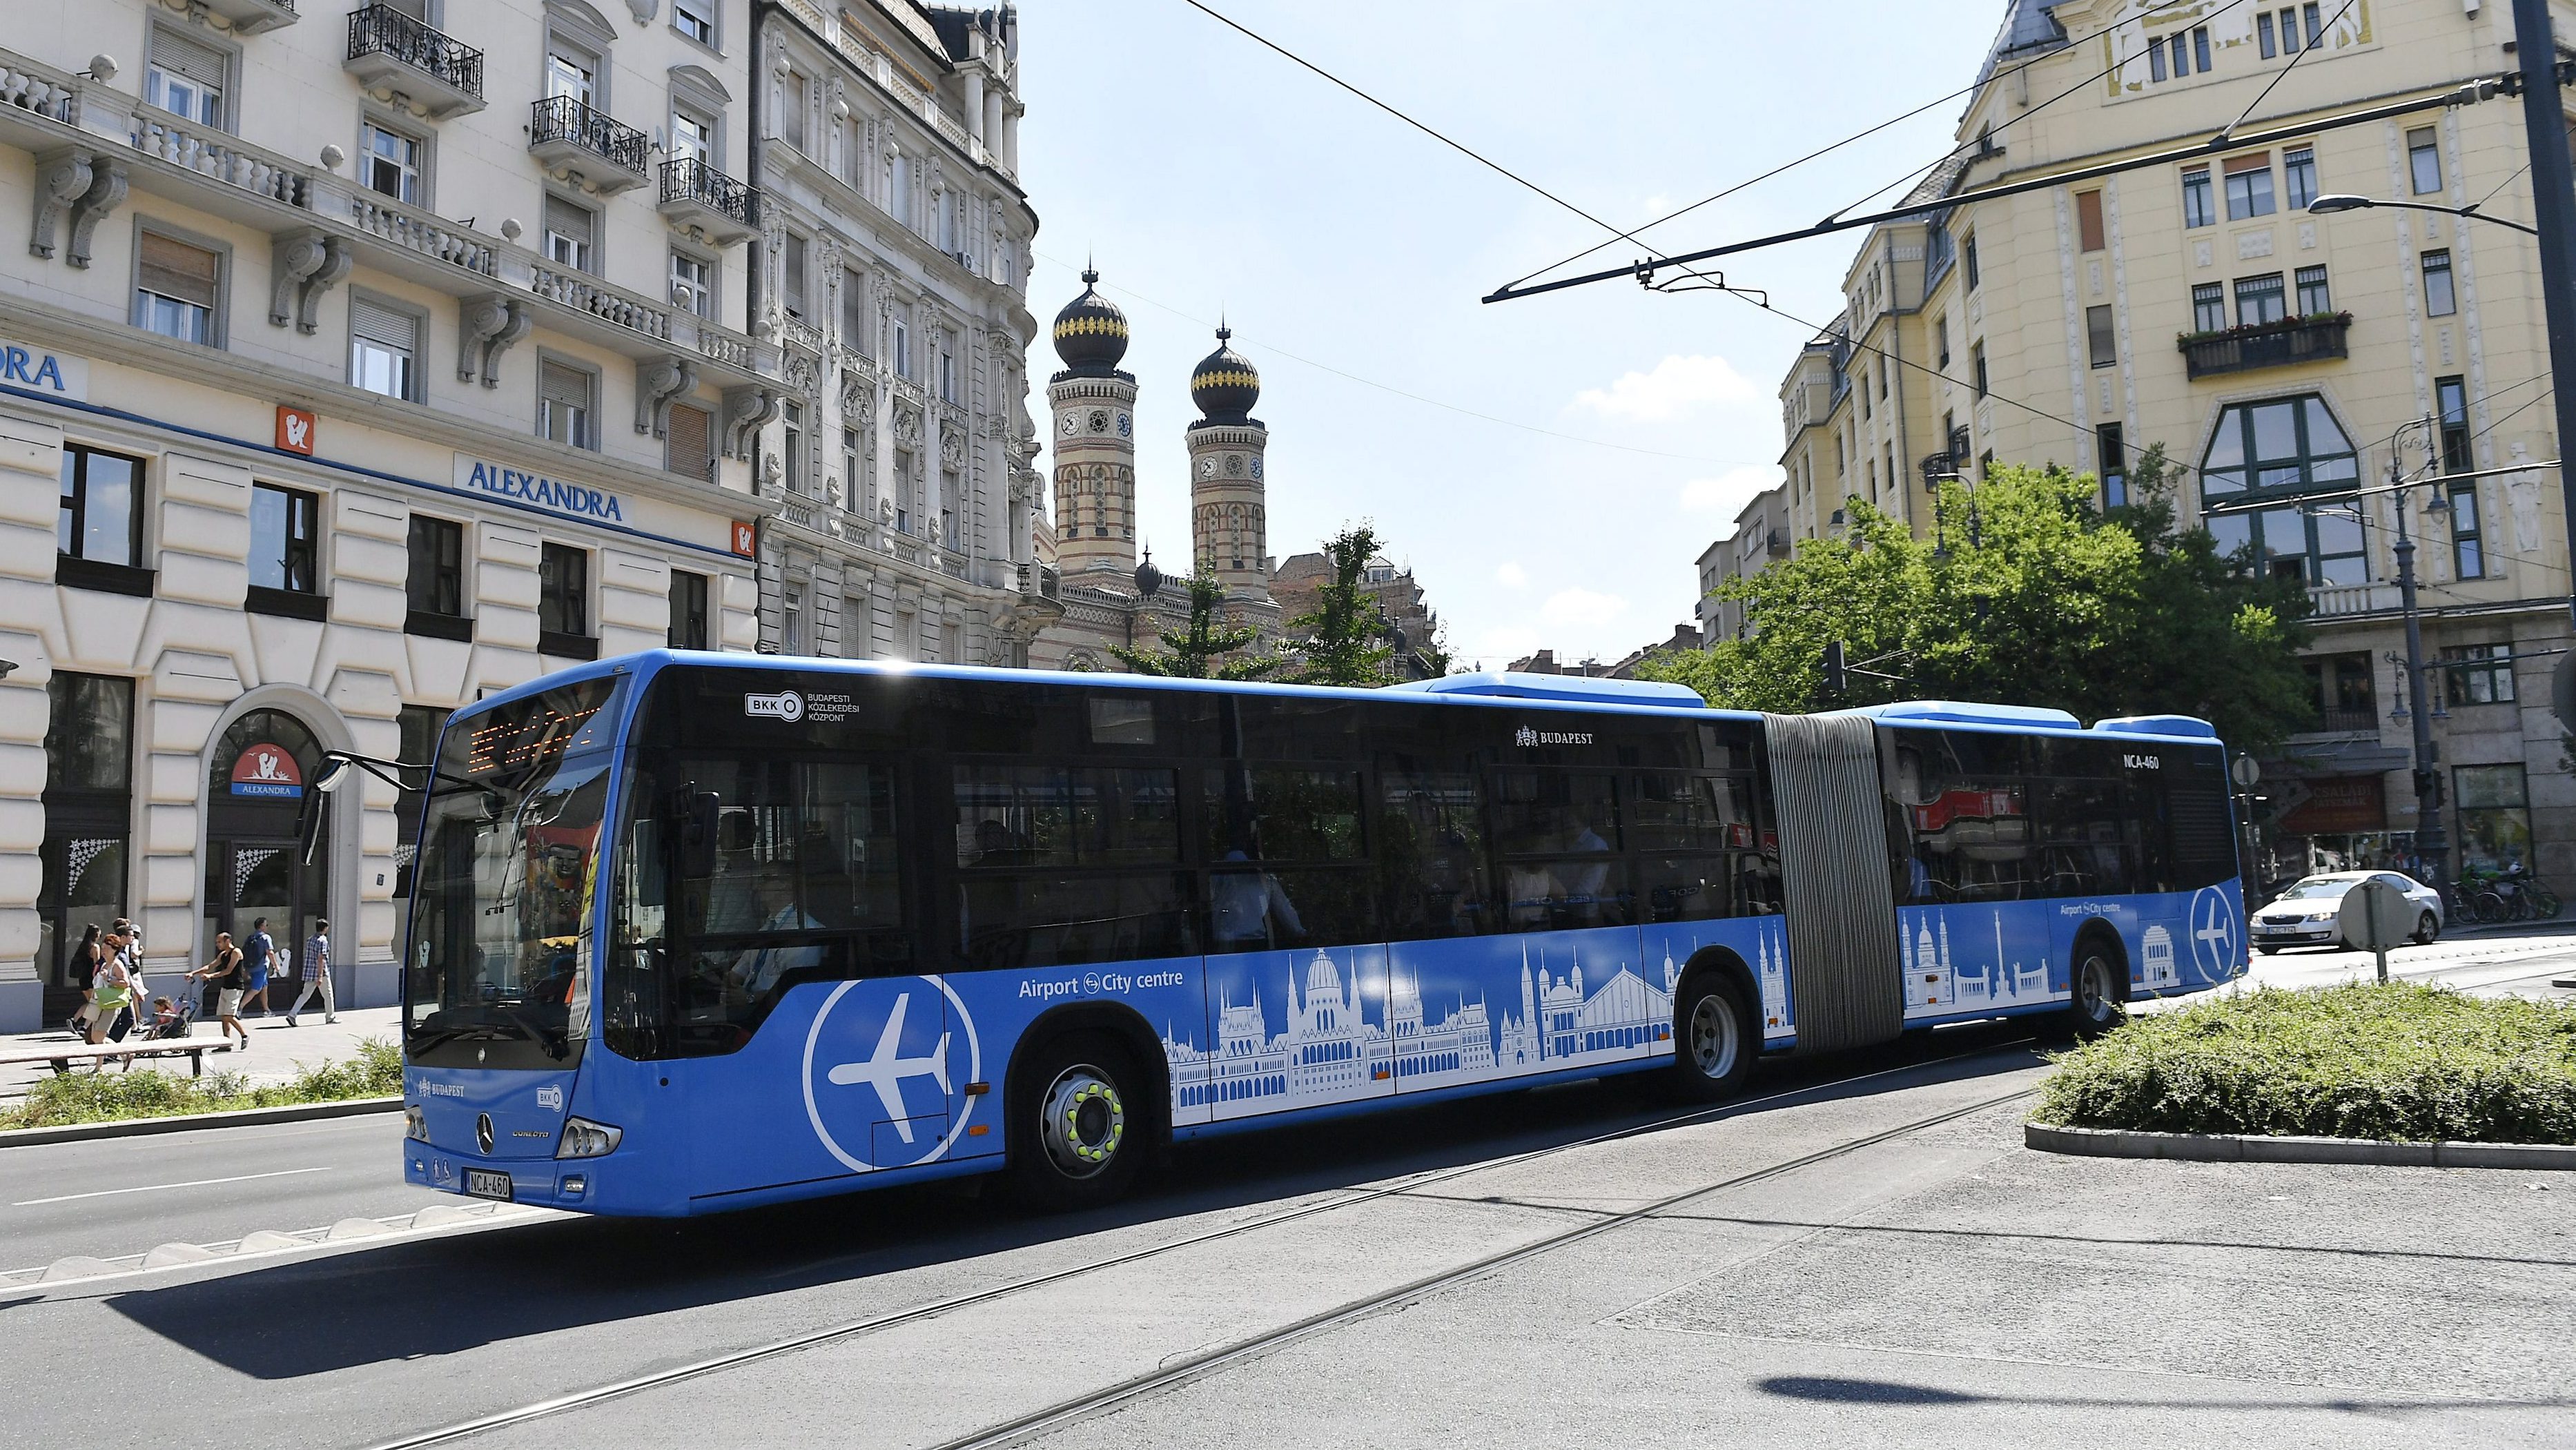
{"points": [[483, 1132]]}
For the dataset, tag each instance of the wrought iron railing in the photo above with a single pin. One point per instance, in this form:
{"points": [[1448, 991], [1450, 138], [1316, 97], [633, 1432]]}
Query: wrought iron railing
{"points": [[2266, 345], [384, 30], [690, 179], [565, 118]]}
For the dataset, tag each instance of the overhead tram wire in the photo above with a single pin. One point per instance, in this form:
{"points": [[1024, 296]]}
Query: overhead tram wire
{"points": [[1861, 135], [2284, 72], [2007, 123], [1274, 348], [2459, 93]]}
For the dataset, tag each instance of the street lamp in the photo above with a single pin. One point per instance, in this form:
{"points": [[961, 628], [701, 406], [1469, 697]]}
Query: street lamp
{"points": [[2333, 202]]}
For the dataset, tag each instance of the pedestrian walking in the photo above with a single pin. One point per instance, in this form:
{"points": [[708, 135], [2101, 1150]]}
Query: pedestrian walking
{"points": [[258, 951], [317, 974], [226, 974], [85, 963], [114, 986]]}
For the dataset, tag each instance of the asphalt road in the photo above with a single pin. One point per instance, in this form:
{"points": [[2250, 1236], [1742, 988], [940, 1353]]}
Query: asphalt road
{"points": [[1862, 1253]]}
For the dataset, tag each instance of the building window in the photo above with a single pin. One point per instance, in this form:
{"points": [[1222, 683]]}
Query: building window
{"points": [[791, 275], [2209, 307], [2279, 449], [2259, 300], [2098, 332], [1941, 341], [850, 470], [696, 20], [2263, 35], [2299, 174], [2198, 210], [2315, 299], [2316, 32], [285, 551], [686, 449], [389, 162], [791, 109], [184, 77], [563, 602], [2344, 693], [693, 137], [2424, 159], [794, 447], [434, 588], [2200, 47], [2439, 299], [2451, 398], [899, 189], [564, 404], [854, 313], [384, 348], [2088, 220], [2249, 186], [2181, 56], [2156, 61], [688, 610], [2468, 541], [572, 232], [902, 351], [1968, 259], [177, 288], [571, 72], [2113, 453], [88, 805], [2495, 815], [693, 285], [101, 518], [947, 368], [1977, 366]]}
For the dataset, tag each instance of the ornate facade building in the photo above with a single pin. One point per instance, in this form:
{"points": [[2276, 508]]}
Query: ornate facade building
{"points": [[891, 271]]}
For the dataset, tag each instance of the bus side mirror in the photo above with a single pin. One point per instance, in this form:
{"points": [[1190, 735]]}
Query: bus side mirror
{"points": [[697, 834]]}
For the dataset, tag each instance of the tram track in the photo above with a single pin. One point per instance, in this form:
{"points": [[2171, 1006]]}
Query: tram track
{"points": [[1217, 1358]]}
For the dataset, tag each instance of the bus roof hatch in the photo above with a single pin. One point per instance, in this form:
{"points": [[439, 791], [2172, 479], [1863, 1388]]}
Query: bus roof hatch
{"points": [[1579, 689], [1957, 712]]}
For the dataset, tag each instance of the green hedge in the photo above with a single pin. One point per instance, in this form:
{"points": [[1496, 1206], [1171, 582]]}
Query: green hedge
{"points": [[2364, 1060], [81, 1096]]}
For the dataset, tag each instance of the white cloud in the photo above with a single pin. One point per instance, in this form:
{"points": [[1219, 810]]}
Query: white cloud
{"points": [[1512, 575], [1582, 608], [1501, 644], [1729, 491], [1677, 385]]}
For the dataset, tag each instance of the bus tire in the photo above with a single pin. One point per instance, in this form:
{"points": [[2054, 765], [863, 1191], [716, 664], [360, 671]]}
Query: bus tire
{"points": [[1714, 1039], [1079, 1129], [2097, 999]]}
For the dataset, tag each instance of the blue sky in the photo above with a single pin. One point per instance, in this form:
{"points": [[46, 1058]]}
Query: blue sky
{"points": [[1204, 174]]}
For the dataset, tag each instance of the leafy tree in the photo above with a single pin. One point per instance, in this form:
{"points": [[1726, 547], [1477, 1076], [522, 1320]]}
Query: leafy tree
{"points": [[1342, 641], [2028, 594], [1199, 651]]}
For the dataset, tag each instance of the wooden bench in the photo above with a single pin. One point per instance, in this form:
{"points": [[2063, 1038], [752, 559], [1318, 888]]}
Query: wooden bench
{"points": [[61, 1058]]}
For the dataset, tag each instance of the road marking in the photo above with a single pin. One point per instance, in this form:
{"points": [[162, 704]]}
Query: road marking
{"points": [[157, 1187]]}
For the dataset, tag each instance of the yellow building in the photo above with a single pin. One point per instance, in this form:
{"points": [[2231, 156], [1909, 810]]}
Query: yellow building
{"points": [[2273, 352]]}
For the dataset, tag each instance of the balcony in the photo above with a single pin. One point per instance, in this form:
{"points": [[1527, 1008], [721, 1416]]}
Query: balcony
{"points": [[2287, 343], [392, 53], [2333, 601], [250, 17], [705, 200], [2349, 719], [570, 139]]}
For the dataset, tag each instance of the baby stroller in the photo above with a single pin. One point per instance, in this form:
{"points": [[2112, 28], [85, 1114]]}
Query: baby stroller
{"points": [[180, 1022]]}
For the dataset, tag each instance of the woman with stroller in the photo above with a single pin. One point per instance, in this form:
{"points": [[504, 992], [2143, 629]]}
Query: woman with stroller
{"points": [[225, 972]]}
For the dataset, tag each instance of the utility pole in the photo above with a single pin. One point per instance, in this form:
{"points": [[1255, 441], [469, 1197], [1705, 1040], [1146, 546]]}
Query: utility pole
{"points": [[2553, 205], [2430, 842]]}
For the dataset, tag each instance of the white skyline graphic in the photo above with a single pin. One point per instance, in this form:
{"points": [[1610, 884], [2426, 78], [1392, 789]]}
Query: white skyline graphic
{"points": [[1936, 982]]}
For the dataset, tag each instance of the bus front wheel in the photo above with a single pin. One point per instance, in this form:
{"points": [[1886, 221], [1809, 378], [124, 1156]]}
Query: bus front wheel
{"points": [[1079, 1131], [2096, 1004], [1717, 1040]]}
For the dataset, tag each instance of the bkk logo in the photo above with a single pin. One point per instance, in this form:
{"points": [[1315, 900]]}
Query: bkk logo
{"points": [[786, 705], [906, 1067]]}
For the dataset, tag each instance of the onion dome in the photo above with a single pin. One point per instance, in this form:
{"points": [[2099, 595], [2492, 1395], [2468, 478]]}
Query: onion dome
{"points": [[1224, 384], [1091, 333], [1149, 580]]}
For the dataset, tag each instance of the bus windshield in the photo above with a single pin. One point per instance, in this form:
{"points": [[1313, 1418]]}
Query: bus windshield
{"points": [[506, 869]]}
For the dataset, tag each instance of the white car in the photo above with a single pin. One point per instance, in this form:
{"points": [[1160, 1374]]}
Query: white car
{"points": [[2307, 914]]}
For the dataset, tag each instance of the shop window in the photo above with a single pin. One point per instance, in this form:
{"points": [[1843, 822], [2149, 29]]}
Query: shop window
{"points": [[89, 776], [2494, 814]]}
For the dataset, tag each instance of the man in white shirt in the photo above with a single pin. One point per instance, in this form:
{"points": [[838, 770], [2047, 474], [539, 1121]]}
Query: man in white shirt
{"points": [[317, 974]]}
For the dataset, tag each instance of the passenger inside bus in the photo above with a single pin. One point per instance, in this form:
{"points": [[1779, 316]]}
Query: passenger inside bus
{"points": [[759, 968], [1249, 910]]}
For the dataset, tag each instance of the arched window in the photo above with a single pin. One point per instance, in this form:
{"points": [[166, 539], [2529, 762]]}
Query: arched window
{"points": [[2285, 448]]}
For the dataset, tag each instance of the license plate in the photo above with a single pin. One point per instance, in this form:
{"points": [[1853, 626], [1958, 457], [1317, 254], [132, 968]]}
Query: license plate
{"points": [[484, 1183]]}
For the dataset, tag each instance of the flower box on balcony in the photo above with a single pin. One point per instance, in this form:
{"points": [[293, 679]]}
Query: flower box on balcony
{"points": [[2286, 343]]}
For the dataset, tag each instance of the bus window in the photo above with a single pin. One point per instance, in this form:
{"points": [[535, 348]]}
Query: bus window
{"points": [[1695, 837], [1273, 813], [1270, 835], [1064, 919], [1037, 846], [2196, 805], [1966, 812], [1044, 815], [1431, 854], [2081, 851], [1557, 834]]}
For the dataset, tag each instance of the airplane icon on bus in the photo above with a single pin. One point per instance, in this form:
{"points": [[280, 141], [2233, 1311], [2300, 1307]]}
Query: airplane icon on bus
{"points": [[887, 1069]]}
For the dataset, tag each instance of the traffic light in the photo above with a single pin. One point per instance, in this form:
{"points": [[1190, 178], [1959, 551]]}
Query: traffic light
{"points": [[2428, 786], [1835, 677]]}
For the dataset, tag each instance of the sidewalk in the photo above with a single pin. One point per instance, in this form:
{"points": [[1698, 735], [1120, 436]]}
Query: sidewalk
{"points": [[274, 1052]]}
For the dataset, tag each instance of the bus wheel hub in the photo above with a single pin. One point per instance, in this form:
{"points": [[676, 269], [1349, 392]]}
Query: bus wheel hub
{"points": [[1084, 1121]]}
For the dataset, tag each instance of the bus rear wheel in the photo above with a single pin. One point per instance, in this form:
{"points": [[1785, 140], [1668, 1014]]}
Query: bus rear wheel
{"points": [[1078, 1130], [2096, 1004], [1715, 1040]]}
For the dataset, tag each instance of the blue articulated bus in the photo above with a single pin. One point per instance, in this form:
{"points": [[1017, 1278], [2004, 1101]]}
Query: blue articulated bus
{"points": [[694, 931]]}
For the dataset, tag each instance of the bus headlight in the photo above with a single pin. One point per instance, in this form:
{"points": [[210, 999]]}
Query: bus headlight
{"points": [[415, 1123], [583, 1138]]}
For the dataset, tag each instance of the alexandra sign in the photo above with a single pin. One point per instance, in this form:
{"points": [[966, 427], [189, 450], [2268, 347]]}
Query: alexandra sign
{"points": [[555, 495], [39, 371]]}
